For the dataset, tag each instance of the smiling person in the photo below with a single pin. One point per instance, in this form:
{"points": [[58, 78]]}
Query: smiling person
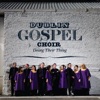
{"points": [[19, 82], [33, 81], [85, 84], [63, 81], [77, 81]]}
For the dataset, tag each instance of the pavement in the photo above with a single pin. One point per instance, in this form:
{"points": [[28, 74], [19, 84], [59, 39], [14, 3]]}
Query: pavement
{"points": [[50, 98]]}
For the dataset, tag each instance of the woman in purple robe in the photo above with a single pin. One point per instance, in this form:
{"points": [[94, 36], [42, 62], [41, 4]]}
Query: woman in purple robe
{"points": [[63, 81], [77, 81], [33, 81], [49, 80], [19, 82], [85, 83]]}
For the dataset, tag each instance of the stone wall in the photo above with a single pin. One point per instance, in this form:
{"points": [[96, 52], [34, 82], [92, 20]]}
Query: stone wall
{"points": [[87, 50], [1, 50]]}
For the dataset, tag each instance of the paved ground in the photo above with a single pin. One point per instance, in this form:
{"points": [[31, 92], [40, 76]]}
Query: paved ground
{"points": [[51, 98]]}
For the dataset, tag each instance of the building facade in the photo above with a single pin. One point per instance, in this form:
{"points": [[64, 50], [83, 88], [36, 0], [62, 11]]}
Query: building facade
{"points": [[51, 33]]}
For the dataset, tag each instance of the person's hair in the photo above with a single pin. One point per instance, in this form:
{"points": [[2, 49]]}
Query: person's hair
{"points": [[48, 67], [19, 69], [75, 66], [63, 66], [27, 64], [34, 67], [14, 63], [54, 64], [43, 63], [68, 64], [83, 66]]}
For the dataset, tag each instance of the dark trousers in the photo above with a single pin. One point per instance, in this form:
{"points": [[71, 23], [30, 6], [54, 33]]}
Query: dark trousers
{"points": [[42, 87], [85, 91], [62, 92], [49, 93], [12, 86], [33, 92], [55, 87], [77, 92], [27, 87], [70, 86], [19, 93]]}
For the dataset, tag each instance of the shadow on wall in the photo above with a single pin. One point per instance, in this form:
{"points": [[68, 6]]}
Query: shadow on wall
{"points": [[95, 86]]}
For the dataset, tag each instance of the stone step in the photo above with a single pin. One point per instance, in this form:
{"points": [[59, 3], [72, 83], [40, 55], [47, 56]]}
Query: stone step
{"points": [[50, 98]]}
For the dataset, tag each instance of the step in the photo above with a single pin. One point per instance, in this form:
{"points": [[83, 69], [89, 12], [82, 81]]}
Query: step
{"points": [[50, 98]]}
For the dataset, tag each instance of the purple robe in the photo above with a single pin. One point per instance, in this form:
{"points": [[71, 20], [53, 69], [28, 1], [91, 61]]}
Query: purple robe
{"points": [[77, 84], [63, 80], [85, 74], [34, 83], [49, 83], [19, 84]]}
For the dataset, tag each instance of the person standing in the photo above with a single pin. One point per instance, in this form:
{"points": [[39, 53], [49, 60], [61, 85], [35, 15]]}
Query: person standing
{"points": [[63, 81], [49, 80], [41, 79], [19, 82], [77, 81], [33, 80], [12, 73], [27, 81], [70, 78], [85, 84], [55, 79]]}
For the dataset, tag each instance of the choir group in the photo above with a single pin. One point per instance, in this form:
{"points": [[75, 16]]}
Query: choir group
{"points": [[49, 80]]}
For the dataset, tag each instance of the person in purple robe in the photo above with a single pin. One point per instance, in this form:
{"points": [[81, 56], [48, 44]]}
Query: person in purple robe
{"points": [[19, 82], [63, 81], [85, 83], [77, 81], [49, 80], [33, 80]]}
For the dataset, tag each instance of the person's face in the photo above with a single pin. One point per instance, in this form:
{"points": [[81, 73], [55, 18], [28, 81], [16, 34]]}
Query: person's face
{"points": [[54, 66], [26, 66], [75, 68], [61, 67], [41, 65], [33, 68], [70, 65], [14, 64], [21, 69]]}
